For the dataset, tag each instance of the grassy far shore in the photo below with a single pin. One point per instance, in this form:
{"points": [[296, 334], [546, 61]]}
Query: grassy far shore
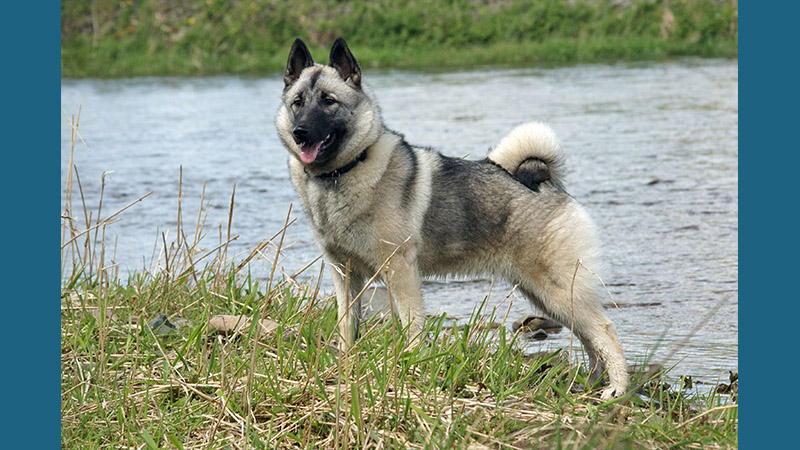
{"points": [[105, 38], [126, 385]]}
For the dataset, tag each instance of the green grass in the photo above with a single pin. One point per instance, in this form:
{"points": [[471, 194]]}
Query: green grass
{"points": [[106, 38], [465, 386]]}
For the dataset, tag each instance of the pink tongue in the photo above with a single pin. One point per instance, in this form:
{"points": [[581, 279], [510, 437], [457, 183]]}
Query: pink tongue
{"points": [[308, 153]]}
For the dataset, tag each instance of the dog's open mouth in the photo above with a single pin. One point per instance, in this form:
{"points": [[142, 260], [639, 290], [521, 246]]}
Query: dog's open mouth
{"points": [[309, 152]]}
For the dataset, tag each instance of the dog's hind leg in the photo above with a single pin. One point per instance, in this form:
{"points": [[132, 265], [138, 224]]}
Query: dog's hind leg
{"points": [[551, 265], [599, 339], [596, 332], [576, 305], [605, 353], [596, 368]]}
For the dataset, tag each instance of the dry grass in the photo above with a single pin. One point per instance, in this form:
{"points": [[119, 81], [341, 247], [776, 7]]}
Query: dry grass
{"points": [[466, 386]]}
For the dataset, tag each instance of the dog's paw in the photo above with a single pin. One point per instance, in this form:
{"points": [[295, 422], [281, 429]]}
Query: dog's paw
{"points": [[610, 393]]}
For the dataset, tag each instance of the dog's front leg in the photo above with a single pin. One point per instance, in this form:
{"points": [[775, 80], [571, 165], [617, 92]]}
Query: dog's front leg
{"points": [[403, 281], [348, 285]]}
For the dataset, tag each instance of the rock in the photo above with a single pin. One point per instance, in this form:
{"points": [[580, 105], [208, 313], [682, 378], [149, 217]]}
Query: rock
{"points": [[534, 324], [161, 325], [733, 388], [538, 335], [240, 324]]}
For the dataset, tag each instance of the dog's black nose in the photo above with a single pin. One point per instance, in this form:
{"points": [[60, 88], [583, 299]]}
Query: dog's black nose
{"points": [[300, 133]]}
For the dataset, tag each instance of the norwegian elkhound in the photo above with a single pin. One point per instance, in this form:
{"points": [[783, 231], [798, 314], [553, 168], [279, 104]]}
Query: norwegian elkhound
{"points": [[380, 205]]}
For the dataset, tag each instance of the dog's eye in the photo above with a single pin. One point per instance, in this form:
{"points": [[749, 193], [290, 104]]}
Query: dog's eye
{"points": [[328, 100], [298, 101]]}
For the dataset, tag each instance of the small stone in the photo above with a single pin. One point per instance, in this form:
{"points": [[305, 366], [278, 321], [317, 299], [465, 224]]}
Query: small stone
{"points": [[240, 324], [532, 323], [161, 325], [538, 335]]}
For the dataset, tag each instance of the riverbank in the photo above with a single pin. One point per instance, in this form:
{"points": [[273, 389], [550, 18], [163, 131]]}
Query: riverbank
{"points": [[134, 377], [146, 363], [133, 380], [123, 39]]}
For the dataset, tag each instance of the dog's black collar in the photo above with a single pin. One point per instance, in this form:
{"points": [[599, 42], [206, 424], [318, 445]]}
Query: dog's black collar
{"points": [[346, 168]]}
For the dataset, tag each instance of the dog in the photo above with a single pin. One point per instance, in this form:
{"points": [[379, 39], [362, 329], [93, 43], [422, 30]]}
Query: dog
{"points": [[377, 204]]}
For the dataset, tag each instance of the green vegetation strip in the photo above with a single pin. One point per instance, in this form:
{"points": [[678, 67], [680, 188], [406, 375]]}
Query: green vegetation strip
{"points": [[105, 38], [468, 386], [125, 387]]}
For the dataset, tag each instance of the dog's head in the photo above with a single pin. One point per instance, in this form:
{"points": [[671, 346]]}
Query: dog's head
{"points": [[327, 118]]}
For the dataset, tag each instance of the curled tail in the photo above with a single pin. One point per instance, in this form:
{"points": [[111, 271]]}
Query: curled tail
{"points": [[531, 153]]}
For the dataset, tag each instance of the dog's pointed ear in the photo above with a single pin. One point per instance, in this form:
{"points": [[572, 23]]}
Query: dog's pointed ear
{"points": [[344, 62], [299, 59]]}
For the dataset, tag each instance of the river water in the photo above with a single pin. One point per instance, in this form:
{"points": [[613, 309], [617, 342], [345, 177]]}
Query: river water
{"points": [[652, 153]]}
